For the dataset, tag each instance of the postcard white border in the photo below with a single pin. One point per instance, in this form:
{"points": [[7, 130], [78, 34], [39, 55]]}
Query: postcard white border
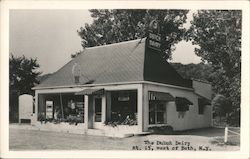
{"points": [[17, 4]]}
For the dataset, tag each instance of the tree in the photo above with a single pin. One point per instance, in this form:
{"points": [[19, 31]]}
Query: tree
{"points": [[221, 105], [218, 35], [113, 26], [23, 74], [198, 71]]}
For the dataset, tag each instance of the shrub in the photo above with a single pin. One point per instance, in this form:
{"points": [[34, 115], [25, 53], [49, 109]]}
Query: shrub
{"points": [[74, 120], [41, 117], [162, 129], [127, 121], [234, 118]]}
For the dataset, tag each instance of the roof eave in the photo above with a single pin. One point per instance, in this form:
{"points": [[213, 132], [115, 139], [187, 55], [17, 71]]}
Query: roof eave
{"points": [[115, 83]]}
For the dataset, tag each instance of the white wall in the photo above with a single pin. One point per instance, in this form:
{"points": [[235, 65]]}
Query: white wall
{"points": [[106, 98], [203, 89], [25, 106], [191, 118]]}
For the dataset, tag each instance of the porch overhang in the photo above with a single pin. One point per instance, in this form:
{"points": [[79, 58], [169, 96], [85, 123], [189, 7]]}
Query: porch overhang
{"points": [[90, 91]]}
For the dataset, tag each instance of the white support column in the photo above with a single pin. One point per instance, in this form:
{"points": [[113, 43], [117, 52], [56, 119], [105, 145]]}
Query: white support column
{"points": [[36, 106], [90, 111], [103, 108], [146, 108], [140, 109], [40, 104], [86, 111], [108, 105]]}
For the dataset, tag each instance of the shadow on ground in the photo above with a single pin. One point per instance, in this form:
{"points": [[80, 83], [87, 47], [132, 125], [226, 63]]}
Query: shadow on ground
{"points": [[206, 132]]}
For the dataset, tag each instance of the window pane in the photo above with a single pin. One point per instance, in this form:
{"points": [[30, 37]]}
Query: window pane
{"points": [[98, 117], [152, 107], [98, 109], [201, 109], [160, 117], [151, 117], [161, 108]]}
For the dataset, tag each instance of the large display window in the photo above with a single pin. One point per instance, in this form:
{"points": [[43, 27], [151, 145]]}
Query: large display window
{"points": [[157, 110], [65, 107]]}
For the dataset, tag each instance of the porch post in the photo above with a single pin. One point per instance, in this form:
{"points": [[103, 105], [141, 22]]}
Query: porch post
{"points": [[103, 108], [41, 107], [108, 105], [140, 109], [86, 111], [90, 111], [36, 106], [146, 108]]}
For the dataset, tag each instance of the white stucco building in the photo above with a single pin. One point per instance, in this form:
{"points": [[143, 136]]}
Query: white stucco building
{"points": [[123, 82]]}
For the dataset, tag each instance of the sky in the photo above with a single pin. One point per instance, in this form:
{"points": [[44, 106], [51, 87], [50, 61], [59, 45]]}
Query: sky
{"points": [[51, 37]]}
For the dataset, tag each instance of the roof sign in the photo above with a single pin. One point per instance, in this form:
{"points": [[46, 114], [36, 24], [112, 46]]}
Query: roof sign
{"points": [[76, 70], [154, 36]]}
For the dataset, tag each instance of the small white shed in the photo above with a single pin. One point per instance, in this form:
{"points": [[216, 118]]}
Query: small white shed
{"points": [[25, 108]]}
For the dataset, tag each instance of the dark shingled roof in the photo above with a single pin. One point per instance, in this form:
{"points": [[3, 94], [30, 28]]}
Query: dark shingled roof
{"points": [[128, 61]]}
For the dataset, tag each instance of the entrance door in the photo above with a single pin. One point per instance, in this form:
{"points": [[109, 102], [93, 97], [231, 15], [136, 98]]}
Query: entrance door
{"points": [[98, 110]]}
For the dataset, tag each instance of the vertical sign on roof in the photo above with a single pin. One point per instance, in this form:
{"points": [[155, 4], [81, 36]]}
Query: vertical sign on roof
{"points": [[154, 36], [76, 71]]}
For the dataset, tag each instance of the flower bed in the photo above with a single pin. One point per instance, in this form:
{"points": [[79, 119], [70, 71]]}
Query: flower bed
{"points": [[166, 130]]}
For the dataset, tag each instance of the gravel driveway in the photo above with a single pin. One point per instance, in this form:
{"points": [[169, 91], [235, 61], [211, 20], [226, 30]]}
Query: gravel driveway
{"points": [[22, 139]]}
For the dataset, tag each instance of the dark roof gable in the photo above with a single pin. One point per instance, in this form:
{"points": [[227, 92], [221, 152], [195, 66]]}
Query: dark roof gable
{"points": [[157, 69]]}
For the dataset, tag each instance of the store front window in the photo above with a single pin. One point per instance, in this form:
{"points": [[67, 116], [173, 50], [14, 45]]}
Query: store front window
{"points": [[157, 110], [124, 107], [65, 107]]}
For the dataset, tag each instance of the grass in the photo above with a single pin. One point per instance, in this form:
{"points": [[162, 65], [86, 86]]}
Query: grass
{"points": [[232, 141]]}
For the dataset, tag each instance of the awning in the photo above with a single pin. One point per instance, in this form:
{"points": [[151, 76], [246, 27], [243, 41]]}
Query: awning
{"points": [[183, 100], [160, 96], [182, 104], [203, 101], [91, 92]]}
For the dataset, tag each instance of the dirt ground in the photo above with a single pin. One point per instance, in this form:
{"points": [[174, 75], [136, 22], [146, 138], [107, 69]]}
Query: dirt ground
{"points": [[194, 140]]}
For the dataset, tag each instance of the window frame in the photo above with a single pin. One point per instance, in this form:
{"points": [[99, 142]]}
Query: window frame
{"points": [[201, 107], [155, 110]]}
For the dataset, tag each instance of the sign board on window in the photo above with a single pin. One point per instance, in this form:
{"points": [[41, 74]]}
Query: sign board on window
{"points": [[123, 96], [49, 109]]}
